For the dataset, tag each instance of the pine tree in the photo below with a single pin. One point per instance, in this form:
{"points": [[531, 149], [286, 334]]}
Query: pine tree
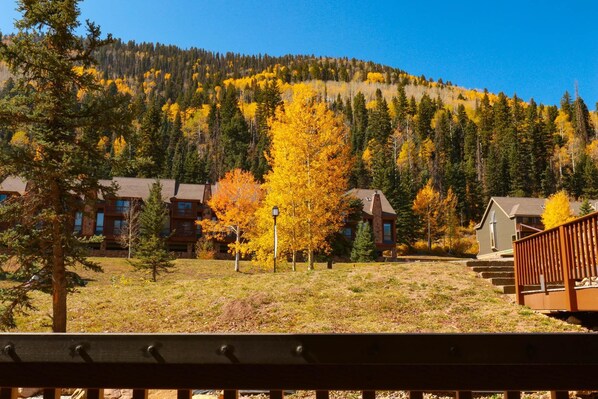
{"points": [[360, 124], [585, 208], [152, 252], [49, 61], [364, 248]]}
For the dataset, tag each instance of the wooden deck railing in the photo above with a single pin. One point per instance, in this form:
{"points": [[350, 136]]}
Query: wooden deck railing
{"points": [[558, 257], [320, 362]]}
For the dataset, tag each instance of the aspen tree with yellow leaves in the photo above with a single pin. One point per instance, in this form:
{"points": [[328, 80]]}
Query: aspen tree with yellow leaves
{"points": [[557, 210], [428, 205], [234, 202], [310, 166]]}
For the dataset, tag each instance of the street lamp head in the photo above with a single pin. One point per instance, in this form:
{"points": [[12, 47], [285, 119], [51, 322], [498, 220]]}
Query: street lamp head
{"points": [[275, 211]]}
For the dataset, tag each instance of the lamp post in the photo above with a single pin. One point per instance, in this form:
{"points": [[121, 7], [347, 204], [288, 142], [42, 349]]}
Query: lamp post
{"points": [[275, 213]]}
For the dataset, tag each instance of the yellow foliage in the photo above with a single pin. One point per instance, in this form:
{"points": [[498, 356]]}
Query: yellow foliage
{"points": [[119, 145], [427, 149], [367, 157], [171, 110], [308, 180], [103, 143], [375, 77], [564, 126], [167, 76], [592, 150], [19, 138], [428, 206], [557, 210], [248, 110], [370, 105], [197, 121], [407, 154]]}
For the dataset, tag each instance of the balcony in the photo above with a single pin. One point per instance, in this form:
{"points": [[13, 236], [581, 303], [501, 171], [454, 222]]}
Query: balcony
{"points": [[184, 213], [322, 362]]}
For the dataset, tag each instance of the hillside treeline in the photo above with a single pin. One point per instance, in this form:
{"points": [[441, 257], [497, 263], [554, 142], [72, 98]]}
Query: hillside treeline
{"points": [[196, 114]]}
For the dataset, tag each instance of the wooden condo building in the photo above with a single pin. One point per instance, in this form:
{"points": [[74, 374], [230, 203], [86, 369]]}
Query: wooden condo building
{"points": [[187, 203]]}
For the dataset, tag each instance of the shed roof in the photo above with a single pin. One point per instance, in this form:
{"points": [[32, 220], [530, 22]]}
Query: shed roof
{"points": [[366, 196], [13, 184]]}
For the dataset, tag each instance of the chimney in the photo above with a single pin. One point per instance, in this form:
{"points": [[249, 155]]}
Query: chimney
{"points": [[377, 217]]}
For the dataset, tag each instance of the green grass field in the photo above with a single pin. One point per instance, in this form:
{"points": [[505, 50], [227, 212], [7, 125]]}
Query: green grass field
{"points": [[208, 296]]}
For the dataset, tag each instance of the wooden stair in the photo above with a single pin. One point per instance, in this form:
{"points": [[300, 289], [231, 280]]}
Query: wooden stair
{"points": [[500, 272]]}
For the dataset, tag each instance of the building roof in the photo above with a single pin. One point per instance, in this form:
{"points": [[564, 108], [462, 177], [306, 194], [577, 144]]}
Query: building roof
{"points": [[366, 196], [13, 184], [520, 206], [134, 187], [193, 192]]}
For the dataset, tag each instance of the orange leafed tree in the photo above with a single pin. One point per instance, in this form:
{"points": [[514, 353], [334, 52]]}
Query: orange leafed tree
{"points": [[235, 202], [310, 164]]}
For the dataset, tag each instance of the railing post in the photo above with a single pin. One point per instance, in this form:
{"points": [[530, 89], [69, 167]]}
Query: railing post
{"points": [[559, 395], [139, 393], [571, 296], [464, 395], [518, 293], [95, 393], [511, 395], [51, 393], [9, 393], [416, 395], [230, 394], [368, 394], [183, 394], [276, 394], [322, 394]]}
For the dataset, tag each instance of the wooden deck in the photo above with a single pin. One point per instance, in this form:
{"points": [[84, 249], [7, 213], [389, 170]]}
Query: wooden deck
{"points": [[557, 269]]}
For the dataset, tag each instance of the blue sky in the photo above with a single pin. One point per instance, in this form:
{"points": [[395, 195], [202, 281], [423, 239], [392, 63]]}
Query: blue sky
{"points": [[536, 49]]}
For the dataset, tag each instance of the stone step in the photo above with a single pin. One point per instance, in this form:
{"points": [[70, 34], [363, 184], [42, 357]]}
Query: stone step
{"points": [[498, 274], [506, 289], [481, 269], [493, 262], [503, 281]]}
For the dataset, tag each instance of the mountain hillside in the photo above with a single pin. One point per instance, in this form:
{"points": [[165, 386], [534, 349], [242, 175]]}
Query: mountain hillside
{"points": [[196, 114]]}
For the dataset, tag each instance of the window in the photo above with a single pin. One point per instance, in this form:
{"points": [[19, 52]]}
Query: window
{"points": [[492, 226], [387, 233], [122, 205], [119, 226], [184, 205], [184, 209], [348, 233], [3, 197], [99, 223], [78, 223]]}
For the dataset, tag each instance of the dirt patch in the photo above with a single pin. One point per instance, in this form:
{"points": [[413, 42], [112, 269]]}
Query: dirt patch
{"points": [[244, 312]]}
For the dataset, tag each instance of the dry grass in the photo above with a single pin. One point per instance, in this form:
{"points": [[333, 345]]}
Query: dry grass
{"points": [[208, 296]]}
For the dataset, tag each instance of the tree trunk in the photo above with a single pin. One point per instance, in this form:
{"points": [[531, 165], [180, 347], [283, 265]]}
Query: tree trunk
{"points": [[58, 268], [310, 259], [237, 251], [154, 273], [294, 261]]}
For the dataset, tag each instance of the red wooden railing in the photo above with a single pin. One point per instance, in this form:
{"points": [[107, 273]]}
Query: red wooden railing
{"points": [[557, 257]]}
